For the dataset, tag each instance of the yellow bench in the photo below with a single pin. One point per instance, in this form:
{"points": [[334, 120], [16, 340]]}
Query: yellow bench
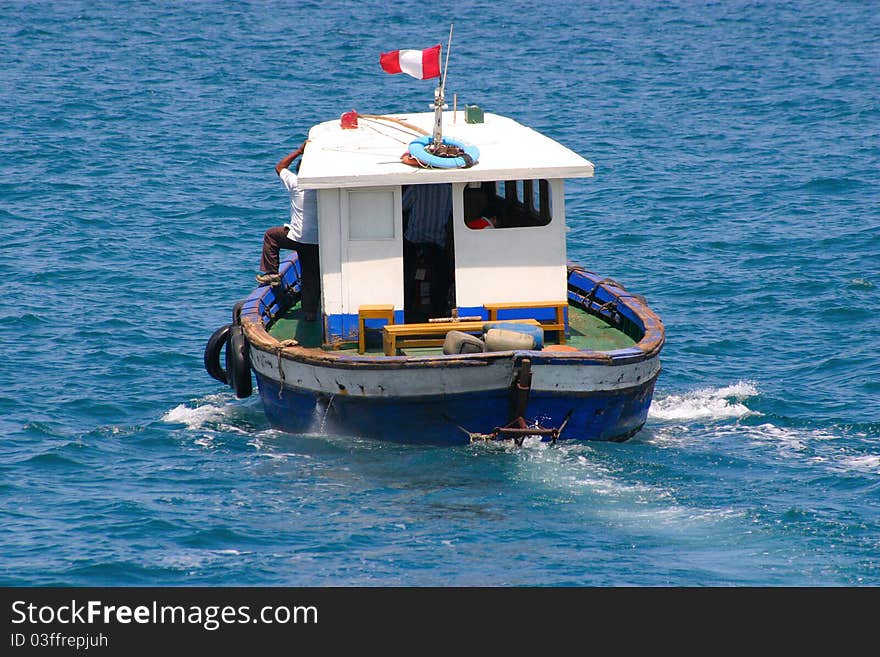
{"points": [[430, 334], [558, 324], [378, 311]]}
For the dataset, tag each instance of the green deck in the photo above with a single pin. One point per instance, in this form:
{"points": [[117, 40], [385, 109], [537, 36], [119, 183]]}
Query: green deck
{"points": [[587, 332]]}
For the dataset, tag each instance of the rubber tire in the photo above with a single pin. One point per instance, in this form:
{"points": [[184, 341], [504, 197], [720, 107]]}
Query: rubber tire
{"points": [[238, 363], [215, 344], [236, 312]]}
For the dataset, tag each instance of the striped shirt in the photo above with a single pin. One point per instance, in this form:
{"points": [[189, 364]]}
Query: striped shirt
{"points": [[429, 209]]}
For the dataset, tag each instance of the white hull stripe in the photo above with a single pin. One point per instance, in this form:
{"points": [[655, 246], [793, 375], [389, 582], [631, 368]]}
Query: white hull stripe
{"points": [[437, 380]]}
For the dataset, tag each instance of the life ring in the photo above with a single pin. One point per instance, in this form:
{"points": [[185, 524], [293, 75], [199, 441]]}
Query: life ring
{"points": [[480, 223], [238, 363], [212, 353], [418, 149]]}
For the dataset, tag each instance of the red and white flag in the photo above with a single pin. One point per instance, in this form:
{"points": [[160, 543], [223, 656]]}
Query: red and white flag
{"points": [[421, 64]]}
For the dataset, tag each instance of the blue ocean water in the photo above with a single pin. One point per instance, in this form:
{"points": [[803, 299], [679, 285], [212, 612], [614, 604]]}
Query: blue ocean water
{"points": [[737, 147]]}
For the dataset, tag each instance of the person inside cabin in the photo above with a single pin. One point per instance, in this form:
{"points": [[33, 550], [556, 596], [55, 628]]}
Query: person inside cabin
{"points": [[300, 234], [426, 254], [479, 211]]}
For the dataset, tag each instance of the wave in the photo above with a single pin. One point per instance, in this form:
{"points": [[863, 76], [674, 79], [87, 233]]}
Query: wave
{"points": [[53, 459], [840, 449], [706, 403], [832, 185], [214, 412], [861, 284], [789, 439], [831, 449], [866, 463]]}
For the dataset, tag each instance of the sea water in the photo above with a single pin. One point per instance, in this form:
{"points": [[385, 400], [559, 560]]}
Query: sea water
{"points": [[737, 147]]}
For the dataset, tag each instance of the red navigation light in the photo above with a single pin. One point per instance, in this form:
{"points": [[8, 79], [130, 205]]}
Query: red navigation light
{"points": [[350, 120]]}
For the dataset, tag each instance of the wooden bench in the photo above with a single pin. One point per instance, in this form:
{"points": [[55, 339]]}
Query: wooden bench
{"points": [[557, 324], [430, 334], [377, 311]]}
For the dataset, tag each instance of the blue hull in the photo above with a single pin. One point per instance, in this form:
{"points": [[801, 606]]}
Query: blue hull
{"points": [[605, 395], [613, 416]]}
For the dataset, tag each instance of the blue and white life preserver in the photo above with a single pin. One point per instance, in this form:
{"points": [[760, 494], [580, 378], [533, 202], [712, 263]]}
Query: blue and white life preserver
{"points": [[417, 148]]}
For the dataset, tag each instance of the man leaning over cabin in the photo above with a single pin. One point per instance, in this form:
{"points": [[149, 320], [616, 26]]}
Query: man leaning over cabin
{"points": [[300, 235]]}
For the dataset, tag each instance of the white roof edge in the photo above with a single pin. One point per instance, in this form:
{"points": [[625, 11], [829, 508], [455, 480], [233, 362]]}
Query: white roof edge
{"points": [[426, 176], [369, 156]]}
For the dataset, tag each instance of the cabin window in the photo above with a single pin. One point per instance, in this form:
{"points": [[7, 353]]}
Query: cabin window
{"points": [[371, 215], [507, 204]]}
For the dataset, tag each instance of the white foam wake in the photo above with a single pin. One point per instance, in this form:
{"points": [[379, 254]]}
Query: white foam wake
{"points": [[861, 463], [706, 403], [215, 410]]}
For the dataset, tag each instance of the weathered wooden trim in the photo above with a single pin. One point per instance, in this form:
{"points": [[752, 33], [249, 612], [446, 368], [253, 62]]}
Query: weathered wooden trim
{"points": [[254, 320]]}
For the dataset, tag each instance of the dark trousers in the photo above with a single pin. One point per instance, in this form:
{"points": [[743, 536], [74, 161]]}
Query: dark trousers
{"points": [[276, 239], [436, 260]]}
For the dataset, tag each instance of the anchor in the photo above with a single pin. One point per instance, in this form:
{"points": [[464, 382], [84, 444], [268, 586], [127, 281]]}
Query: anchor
{"points": [[517, 429]]}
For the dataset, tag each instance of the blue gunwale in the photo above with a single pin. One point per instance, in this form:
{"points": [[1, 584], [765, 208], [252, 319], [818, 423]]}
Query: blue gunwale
{"points": [[609, 415], [601, 297]]}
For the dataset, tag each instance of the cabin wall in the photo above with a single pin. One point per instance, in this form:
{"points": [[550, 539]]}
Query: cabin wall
{"points": [[361, 247], [330, 249], [361, 250], [510, 264]]}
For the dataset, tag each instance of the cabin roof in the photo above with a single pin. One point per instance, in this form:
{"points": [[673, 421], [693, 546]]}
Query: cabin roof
{"points": [[369, 155]]}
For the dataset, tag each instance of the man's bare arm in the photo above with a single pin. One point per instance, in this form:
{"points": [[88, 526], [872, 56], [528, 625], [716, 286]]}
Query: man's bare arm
{"points": [[286, 161]]}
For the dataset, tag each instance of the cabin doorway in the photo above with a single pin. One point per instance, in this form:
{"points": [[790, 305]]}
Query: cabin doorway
{"points": [[428, 266], [428, 283]]}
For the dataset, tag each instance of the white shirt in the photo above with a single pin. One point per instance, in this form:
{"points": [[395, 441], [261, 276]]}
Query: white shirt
{"points": [[303, 226]]}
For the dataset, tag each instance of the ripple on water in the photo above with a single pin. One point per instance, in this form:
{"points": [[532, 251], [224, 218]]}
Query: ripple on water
{"points": [[125, 463]]}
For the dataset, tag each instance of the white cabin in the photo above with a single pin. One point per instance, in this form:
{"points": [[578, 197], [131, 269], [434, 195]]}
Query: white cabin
{"points": [[359, 178]]}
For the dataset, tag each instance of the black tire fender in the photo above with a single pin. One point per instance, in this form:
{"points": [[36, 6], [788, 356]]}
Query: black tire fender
{"points": [[236, 312], [238, 363], [216, 342]]}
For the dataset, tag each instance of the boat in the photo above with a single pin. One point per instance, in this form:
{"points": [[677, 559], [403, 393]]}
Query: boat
{"points": [[531, 344]]}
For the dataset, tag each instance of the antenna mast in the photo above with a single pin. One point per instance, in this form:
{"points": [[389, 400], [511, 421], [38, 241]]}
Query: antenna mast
{"points": [[438, 97]]}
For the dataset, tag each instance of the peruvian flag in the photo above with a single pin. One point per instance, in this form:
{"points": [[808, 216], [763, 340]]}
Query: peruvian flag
{"points": [[421, 64]]}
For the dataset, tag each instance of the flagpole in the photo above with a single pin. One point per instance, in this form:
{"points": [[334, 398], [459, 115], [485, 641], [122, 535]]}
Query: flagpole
{"points": [[438, 96], [446, 65]]}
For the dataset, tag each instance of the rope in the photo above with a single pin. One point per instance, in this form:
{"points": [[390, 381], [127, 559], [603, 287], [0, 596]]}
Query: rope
{"points": [[280, 348], [380, 117], [395, 138]]}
